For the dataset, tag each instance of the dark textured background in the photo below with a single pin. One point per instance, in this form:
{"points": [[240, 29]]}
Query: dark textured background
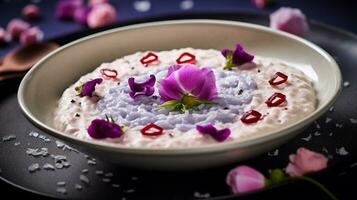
{"points": [[337, 13]]}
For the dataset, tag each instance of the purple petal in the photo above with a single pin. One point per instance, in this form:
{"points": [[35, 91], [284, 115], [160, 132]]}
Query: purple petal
{"points": [[81, 14], [189, 77], [144, 88], [169, 89], [66, 8], [89, 87], [225, 52], [218, 135], [208, 90], [100, 129], [240, 56], [172, 68]]}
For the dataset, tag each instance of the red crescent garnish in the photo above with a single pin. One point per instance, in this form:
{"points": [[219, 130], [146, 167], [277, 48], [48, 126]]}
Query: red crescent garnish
{"points": [[186, 58], [251, 116], [149, 58], [149, 130], [109, 73], [275, 81], [275, 99]]}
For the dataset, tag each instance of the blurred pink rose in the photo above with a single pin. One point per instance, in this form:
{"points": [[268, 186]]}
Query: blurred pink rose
{"points": [[93, 2], [81, 14], [31, 11], [245, 179], [31, 36], [261, 3], [4, 37], [305, 161], [16, 26], [65, 9], [101, 15], [289, 20]]}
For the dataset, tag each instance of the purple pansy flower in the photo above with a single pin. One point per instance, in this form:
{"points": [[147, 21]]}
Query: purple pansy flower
{"points": [[88, 88], [145, 88], [100, 129], [236, 57], [219, 135], [66, 8], [186, 86]]}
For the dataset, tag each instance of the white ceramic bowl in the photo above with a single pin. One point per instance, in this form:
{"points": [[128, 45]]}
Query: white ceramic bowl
{"points": [[45, 82]]}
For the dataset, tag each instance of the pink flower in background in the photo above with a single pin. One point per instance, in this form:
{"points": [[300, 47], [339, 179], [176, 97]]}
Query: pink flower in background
{"points": [[4, 37], [101, 14], [16, 26], [245, 179], [81, 14], [290, 20], [31, 11], [305, 161], [65, 9], [93, 2], [261, 3], [31, 36]]}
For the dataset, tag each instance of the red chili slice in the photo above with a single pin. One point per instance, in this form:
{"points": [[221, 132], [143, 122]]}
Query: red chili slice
{"points": [[275, 99], [149, 58], [109, 73], [275, 81], [186, 58], [251, 116], [147, 130]]}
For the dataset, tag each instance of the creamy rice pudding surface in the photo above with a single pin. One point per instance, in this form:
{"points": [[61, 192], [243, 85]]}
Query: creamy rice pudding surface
{"points": [[239, 91]]}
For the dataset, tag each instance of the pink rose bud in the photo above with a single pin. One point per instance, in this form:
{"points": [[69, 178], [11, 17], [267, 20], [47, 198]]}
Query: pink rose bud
{"points": [[31, 11], [305, 161], [261, 3], [101, 15], [245, 179], [289, 20], [31, 36], [4, 37], [16, 26], [65, 9], [93, 2]]}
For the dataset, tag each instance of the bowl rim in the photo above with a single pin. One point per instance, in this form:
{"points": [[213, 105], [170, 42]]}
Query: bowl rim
{"points": [[209, 148]]}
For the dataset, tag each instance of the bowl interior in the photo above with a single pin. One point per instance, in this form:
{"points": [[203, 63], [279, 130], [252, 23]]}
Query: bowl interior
{"points": [[44, 84]]}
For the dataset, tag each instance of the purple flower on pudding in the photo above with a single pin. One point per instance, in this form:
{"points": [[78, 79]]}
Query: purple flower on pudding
{"points": [[145, 88], [218, 135], [88, 88], [66, 8], [100, 129], [237, 57], [186, 86], [290, 20]]}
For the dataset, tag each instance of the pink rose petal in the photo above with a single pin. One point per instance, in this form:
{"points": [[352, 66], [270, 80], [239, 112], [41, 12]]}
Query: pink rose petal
{"points": [[31, 36], [261, 3], [16, 26], [245, 179], [305, 161], [93, 2], [101, 14], [31, 11], [4, 37], [289, 20]]}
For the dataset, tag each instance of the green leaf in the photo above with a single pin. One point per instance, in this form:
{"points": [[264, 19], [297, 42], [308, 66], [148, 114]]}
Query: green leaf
{"points": [[276, 176], [171, 103]]}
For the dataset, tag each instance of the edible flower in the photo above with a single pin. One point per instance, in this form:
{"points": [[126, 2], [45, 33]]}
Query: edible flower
{"points": [[305, 161], [290, 20], [88, 88], [31, 36], [65, 9], [237, 57], [218, 135], [145, 88], [81, 14], [31, 11], [16, 26], [101, 14], [247, 179], [261, 3], [187, 86], [152, 130], [100, 129]]}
